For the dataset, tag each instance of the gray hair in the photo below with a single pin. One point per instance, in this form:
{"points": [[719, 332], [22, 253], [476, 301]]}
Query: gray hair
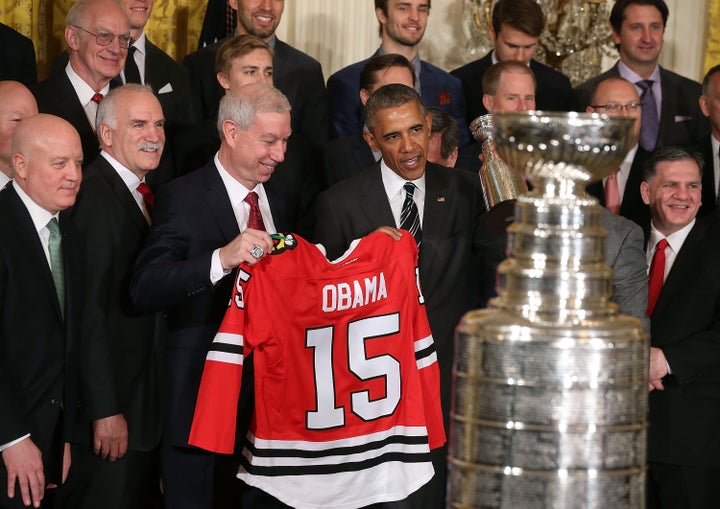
{"points": [[108, 107], [242, 106], [390, 96], [77, 12]]}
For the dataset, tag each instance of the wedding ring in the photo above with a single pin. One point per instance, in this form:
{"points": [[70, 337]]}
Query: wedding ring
{"points": [[257, 252]]}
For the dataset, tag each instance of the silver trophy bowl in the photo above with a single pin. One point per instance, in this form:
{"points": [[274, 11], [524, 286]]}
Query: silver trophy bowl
{"points": [[550, 382], [581, 147]]}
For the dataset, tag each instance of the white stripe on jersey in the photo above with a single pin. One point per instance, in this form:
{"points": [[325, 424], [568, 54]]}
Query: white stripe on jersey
{"points": [[421, 344], [229, 338], [426, 361], [300, 445], [227, 347], [229, 358], [342, 457]]}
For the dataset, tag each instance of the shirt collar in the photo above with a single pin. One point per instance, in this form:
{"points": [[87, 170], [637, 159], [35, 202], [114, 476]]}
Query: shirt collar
{"points": [[82, 89], [236, 191], [675, 239], [40, 217], [394, 183], [128, 177], [633, 77]]}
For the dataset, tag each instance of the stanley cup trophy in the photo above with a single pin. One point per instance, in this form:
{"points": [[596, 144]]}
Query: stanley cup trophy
{"points": [[550, 382]]}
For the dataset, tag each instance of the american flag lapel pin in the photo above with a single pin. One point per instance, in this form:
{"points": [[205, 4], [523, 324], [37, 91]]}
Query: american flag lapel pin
{"points": [[441, 199]]}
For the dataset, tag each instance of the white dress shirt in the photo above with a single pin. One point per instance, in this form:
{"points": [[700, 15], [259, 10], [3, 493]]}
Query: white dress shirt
{"points": [[237, 193], [40, 218], [395, 190], [85, 94]]}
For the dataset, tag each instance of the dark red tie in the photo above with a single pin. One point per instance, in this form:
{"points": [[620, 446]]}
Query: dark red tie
{"points": [[97, 98], [657, 275], [148, 196], [255, 220]]}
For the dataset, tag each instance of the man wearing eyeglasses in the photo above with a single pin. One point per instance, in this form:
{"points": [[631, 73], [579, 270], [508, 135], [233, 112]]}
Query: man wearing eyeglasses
{"points": [[619, 192], [97, 33]]}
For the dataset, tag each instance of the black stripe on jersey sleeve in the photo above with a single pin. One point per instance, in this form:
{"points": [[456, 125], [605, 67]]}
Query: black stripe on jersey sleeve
{"points": [[227, 348], [425, 352]]}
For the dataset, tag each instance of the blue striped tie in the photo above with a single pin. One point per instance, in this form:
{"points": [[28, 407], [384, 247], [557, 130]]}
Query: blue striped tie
{"points": [[409, 217]]}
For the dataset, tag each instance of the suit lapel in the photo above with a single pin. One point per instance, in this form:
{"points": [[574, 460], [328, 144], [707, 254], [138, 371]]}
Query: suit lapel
{"points": [[34, 250], [709, 186], [685, 263], [278, 207], [374, 203], [218, 202], [121, 191], [69, 103], [435, 214]]}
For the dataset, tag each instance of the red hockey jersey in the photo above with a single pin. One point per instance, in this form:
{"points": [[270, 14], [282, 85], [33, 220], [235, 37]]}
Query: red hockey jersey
{"points": [[347, 396]]}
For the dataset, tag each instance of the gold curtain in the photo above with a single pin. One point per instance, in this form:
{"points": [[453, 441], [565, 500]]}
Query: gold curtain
{"points": [[174, 26], [712, 53]]}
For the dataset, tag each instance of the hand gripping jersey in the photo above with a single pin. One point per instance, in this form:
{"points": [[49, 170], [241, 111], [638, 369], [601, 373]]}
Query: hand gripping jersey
{"points": [[347, 395]]}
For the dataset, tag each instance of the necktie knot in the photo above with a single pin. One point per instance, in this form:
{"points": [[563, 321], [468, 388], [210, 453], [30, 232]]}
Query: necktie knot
{"points": [[255, 220], [97, 98], [147, 194], [53, 226], [645, 85]]}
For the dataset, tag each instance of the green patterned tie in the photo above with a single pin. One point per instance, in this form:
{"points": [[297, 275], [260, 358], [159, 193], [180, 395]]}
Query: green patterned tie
{"points": [[56, 261]]}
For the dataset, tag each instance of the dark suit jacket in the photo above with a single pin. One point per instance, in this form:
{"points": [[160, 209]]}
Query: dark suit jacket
{"points": [[685, 324], [438, 88], [632, 206], [295, 74], [192, 217], [450, 246], [115, 230], [681, 121], [553, 93], [47, 361], [709, 186], [57, 96], [346, 156], [17, 57]]}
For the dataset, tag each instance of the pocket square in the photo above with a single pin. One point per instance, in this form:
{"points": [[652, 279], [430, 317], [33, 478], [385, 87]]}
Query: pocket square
{"points": [[682, 118], [166, 89]]}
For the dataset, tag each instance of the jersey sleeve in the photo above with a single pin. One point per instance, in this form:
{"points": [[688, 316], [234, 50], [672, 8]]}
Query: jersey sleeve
{"points": [[214, 423], [427, 364]]}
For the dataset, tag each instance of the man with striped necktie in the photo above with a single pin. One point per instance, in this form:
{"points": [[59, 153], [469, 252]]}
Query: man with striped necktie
{"points": [[440, 206]]}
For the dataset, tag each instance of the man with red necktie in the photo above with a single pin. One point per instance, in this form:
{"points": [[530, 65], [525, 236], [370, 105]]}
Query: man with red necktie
{"points": [[684, 311], [619, 192], [97, 33], [204, 226], [114, 211]]}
